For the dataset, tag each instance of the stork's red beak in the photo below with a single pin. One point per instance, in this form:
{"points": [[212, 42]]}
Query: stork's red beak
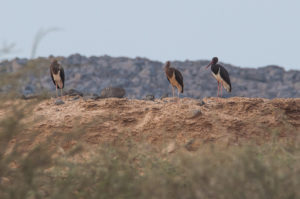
{"points": [[208, 65]]}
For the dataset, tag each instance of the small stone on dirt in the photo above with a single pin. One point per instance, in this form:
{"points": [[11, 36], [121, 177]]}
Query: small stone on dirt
{"points": [[75, 98], [170, 148], [149, 97], [73, 92], [201, 103], [117, 92], [192, 145], [39, 109], [195, 113], [59, 102]]}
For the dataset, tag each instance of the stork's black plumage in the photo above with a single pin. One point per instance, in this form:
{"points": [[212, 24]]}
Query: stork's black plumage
{"points": [[174, 77], [220, 74], [57, 75]]}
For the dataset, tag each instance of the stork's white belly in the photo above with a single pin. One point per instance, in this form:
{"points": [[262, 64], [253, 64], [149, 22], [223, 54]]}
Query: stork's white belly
{"points": [[175, 83], [219, 79], [57, 79]]}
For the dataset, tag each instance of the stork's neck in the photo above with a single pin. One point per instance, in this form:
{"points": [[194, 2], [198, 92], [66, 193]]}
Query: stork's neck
{"points": [[213, 65], [55, 69], [167, 68], [215, 68]]}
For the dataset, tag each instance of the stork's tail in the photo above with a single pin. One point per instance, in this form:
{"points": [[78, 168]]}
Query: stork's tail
{"points": [[227, 87]]}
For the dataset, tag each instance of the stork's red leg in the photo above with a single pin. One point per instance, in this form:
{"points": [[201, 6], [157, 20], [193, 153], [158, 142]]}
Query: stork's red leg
{"points": [[218, 88], [56, 91], [173, 90], [221, 85]]}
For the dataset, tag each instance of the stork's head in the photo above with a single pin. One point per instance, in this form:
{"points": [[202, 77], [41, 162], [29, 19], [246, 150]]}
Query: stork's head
{"points": [[54, 66], [167, 65], [54, 62], [213, 62]]}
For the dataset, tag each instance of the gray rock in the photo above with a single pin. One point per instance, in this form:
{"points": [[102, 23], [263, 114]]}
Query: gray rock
{"points": [[73, 92], [29, 96], [75, 98], [28, 90], [149, 97], [112, 92], [202, 103], [194, 114], [59, 102]]}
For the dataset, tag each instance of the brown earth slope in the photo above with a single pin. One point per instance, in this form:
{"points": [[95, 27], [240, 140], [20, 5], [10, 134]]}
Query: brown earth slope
{"points": [[189, 121]]}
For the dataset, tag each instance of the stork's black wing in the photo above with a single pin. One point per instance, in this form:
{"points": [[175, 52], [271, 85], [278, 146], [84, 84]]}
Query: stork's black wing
{"points": [[225, 75], [179, 78], [62, 76]]}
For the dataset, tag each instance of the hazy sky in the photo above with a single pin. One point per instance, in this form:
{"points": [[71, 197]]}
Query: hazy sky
{"points": [[247, 33]]}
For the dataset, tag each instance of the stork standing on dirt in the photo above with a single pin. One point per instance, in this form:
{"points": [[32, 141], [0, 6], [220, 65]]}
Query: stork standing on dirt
{"points": [[57, 75], [174, 77], [220, 74]]}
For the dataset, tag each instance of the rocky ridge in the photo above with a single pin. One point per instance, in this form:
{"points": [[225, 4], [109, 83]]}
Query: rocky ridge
{"points": [[141, 77]]}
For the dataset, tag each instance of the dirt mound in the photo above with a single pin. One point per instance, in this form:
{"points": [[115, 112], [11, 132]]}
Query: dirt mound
{"points": [[188, 122]]}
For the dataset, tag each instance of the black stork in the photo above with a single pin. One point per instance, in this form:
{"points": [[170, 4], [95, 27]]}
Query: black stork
{"points": [[174, 77], [57, 75], [220, 74]]}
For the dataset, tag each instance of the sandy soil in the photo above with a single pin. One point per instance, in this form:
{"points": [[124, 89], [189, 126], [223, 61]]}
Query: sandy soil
{"points": [[188, 122]]}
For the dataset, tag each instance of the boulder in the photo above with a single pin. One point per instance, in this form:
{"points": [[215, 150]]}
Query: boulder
{"points": [[59, 102], [112, 92], [149, 97]]}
